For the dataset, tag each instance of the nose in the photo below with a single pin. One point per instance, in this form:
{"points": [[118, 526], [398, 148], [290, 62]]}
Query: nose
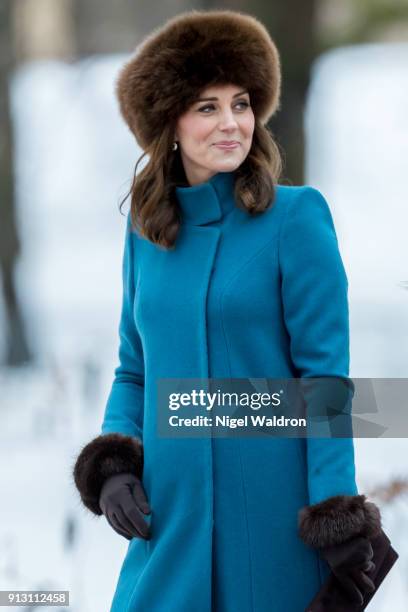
{"points": [[227, 120]]}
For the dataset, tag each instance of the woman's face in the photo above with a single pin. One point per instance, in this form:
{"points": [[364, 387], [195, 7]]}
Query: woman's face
{"points": [[228, 116]]}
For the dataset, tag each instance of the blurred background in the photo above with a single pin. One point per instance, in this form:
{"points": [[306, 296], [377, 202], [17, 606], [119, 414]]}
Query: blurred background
{"points": [[66, 161]]}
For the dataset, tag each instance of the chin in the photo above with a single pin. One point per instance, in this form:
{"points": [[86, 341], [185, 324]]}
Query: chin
{"points": [[229, 164]]}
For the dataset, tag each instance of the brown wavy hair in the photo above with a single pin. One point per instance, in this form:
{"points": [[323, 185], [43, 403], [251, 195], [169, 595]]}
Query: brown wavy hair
{"points": [[154, 208]]}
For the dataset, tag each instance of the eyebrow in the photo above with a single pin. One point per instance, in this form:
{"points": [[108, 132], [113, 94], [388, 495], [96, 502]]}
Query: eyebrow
{"points": [[234, 96]]}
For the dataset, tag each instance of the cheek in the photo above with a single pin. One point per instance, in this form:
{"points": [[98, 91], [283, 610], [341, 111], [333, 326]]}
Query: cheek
{"points": [[248, 125], [203, 132], [195, 129]]}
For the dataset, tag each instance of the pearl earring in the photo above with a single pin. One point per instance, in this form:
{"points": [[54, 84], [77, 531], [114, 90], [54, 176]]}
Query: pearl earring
{"points": [[175, 145]]}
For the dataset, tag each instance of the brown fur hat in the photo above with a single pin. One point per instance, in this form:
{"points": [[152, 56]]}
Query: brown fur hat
{"points": [[189, 52]]}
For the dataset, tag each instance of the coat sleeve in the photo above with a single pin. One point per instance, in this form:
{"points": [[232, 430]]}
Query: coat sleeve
{"points": [[119, 448], [315, 307], [125, 403]]}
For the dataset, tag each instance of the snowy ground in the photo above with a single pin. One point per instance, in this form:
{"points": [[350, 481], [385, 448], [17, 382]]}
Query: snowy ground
{"points": [[75, 158]]}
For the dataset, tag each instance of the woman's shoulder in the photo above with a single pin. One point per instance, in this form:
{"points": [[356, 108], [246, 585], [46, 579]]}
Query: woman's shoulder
{"points": [[305, 212], [296, 193], [302, 201]]}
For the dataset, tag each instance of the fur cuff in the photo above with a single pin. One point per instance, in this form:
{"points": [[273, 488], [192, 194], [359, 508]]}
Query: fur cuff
{"points": [[105, 456], [338, 519]]}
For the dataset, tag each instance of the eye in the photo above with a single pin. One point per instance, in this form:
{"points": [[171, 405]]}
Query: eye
{"points": [[242, 102], [204, 107]]}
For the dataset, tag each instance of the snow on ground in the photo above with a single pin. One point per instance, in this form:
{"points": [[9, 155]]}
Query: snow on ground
{"points": [[75, 158]]}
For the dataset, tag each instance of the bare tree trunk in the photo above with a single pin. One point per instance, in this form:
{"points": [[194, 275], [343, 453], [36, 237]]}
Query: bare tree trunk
{"points": [[16, 347], [103, 26], [43, 29]]}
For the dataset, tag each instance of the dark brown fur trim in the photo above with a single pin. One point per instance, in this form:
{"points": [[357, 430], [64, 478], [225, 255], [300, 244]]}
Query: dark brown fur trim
{"points": [[190, 51], [105, 456], [338, 519]]}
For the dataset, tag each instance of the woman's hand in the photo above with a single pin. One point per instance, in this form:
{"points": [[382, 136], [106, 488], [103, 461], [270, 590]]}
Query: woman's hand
{"points": [[122, 501], [349, 561]]}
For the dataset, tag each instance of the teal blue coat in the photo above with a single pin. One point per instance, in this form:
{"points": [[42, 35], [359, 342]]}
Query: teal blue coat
{"points": [[239, 297]]}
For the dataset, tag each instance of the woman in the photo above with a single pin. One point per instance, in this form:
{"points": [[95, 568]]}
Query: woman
{"points": [[227, 274]]}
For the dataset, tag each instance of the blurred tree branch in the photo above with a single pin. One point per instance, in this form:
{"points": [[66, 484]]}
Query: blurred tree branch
{"points": [[389, 492]]}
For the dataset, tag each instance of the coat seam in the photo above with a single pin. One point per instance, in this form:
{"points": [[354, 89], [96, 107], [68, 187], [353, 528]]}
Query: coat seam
{"points": [[251, 590], [210, 445], [226, 287], [282, 227]]}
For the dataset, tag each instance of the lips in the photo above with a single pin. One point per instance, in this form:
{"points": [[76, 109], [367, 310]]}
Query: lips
{"points": [[227, 142], [230, 145]]}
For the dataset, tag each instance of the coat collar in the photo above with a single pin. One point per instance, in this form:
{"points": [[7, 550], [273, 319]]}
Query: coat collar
{"points": [[209, 201]]}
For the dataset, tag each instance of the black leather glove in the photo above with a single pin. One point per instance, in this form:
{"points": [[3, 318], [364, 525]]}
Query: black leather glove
{"points": [[331, 596], [123, 502], [349, 562], [342, 528]]}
